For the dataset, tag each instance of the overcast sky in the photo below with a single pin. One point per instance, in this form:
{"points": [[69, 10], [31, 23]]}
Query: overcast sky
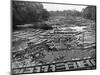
{"points": [[61, 7]]}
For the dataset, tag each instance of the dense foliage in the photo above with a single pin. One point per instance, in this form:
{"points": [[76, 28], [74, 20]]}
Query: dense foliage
{"points": [[27, 13], [65, 13], [89, 12]]}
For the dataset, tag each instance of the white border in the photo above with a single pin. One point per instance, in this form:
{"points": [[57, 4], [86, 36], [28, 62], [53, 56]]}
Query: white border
{"points": [[5, 37]]}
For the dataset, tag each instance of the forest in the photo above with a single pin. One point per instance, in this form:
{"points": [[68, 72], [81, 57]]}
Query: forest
{"points": [[28, 13]]}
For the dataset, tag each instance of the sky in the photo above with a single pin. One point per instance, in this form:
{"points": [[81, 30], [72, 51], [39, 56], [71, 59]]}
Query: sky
{"points": [[61, 7]]}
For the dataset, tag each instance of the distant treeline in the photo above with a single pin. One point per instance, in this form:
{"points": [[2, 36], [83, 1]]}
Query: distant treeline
{"points": [[89, 13], [65, 13], [27, 13]]}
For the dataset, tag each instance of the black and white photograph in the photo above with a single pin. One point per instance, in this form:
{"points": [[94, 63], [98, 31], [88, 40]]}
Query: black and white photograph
{"points": [[52, 37]]}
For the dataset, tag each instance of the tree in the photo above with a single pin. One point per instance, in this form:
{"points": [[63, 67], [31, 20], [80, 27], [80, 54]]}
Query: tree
{"points": [[27, 12], [89, 12], [45, 14]]}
